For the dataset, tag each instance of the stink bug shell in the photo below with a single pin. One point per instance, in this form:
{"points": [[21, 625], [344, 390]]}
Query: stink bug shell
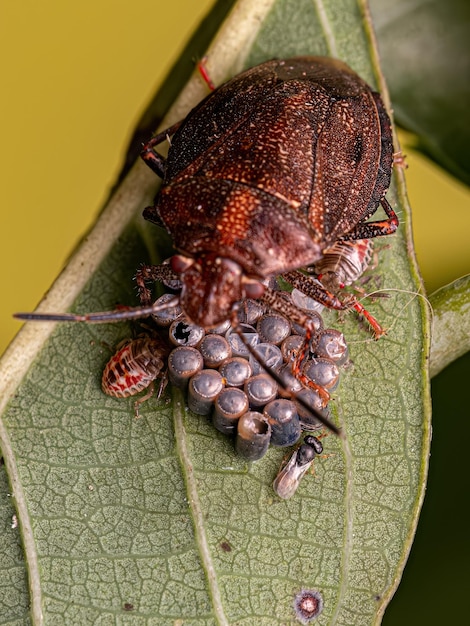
{"points": [[266, 173], [263, 177]]}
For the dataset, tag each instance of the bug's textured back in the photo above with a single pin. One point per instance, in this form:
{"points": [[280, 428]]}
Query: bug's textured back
{"points": [[307, 131]]}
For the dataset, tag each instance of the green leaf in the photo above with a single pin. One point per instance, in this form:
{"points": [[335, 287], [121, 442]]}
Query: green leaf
{"points": [[451, 324], [424, 48], [155, 520], [14, 599]]}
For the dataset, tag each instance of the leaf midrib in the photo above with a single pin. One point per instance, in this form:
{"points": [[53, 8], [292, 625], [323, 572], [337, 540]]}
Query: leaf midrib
{"points": [[187, 469]]}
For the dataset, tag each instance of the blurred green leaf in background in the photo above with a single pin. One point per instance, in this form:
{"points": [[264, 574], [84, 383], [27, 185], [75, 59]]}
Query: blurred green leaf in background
{"points": [[426, 61]]}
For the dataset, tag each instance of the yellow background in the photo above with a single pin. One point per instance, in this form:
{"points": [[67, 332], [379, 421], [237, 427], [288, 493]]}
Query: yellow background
{"points": [[75, 78]]}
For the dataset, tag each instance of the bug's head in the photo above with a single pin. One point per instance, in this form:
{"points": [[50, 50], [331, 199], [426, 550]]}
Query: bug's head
{"points": [[211, 286]]}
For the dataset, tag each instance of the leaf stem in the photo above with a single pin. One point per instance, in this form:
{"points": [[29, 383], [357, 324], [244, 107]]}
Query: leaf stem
{"points": [[451, 323]]}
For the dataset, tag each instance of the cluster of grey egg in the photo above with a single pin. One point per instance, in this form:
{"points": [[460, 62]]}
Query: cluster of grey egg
{"points": [[224, 381]]}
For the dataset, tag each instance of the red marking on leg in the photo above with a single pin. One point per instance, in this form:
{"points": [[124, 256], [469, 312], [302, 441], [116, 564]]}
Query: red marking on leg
{"points": [[373, 323], [299, 362], [201, 66]]}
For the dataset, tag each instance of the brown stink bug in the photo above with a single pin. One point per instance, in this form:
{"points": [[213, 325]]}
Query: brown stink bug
{"points": [[268, 172]]}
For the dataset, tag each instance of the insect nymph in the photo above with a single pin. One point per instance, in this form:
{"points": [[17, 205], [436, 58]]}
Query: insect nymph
{"points": [[134, 367]]}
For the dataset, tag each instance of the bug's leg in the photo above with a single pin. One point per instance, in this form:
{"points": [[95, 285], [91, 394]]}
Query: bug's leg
{"points": [[369, 230], [151, 214], [154, 160], [139, 401], [304, 284], [270, 298], [163, 384], [312, 289], [201, 66], [297, 367], [399, 160], [280, 304], [150, 274]]}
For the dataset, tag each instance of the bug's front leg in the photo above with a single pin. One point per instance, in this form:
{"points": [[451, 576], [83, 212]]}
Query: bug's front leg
{"points": [[150, 274], [307, 286], [279, 303], [154, 160], [152, 215], [370, 230]]}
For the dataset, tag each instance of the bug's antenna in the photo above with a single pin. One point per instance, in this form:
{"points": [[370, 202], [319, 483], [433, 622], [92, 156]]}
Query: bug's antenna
{"points": [[128, 313]]}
